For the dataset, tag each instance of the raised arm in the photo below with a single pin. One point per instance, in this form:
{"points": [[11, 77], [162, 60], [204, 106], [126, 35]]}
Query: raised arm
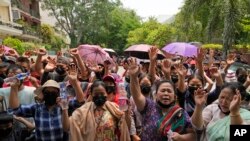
{"points": [[13, 99], [216, 74], [181, 74], [64, 104], [38, 63], [166, 68], [80, 95], [234, 108], [80, 61], [199, 59], [209, 81], [200, 97], [152, 53], [135, 90]]}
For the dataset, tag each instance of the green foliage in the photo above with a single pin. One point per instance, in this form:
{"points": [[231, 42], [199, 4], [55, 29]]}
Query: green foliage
{"points": [[153, 33], [220, 46], [29, 46], [212, 46], [219, 21], [14, 43], [81, 20], [49, 37], [122, 21]]}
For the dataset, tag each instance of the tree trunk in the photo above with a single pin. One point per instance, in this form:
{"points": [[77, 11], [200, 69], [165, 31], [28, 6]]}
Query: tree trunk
{"points": [[230, 22], [73, 40]]}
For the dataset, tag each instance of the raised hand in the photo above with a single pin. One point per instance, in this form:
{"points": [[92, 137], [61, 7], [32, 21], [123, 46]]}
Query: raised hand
{"points": [[152, 53], [200, 97], [41, 52], [134, 69], [200, 55], [166, 66], [181, 70], [51, 65], [214, 72], [15, 85], [72, 75], [63, 103], [74, 52], [11, 52], [235, 103], [27, 54]]}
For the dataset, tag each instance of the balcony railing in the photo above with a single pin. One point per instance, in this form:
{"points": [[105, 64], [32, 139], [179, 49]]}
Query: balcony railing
{"points": [[29, 31], [32, 12], [12, 25]]}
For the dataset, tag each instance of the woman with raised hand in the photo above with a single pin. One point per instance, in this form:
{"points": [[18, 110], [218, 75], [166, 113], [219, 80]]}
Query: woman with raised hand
{"points": [[185, 92], [98, 120], [164, 119], [213, 122]]}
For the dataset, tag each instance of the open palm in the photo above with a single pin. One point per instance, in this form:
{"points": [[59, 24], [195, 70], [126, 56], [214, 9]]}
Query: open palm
{"points": [[134, 69], [200, 97], [72, 73], [235, 103], [50, 66], [166, 66], [153, 53]]}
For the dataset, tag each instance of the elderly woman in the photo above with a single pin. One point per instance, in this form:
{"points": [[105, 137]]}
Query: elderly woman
{"points": [[164, 119], [213, 122], [97, 120]]}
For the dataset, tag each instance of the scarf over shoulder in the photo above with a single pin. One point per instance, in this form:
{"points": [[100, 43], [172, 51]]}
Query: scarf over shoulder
{"points": [[83, 125]]}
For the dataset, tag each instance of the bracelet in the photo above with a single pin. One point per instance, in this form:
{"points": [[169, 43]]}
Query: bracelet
{"points": [[234, 115]]}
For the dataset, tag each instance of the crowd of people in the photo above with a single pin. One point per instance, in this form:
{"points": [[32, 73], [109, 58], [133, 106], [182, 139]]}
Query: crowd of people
{"points": [[72, 99]]}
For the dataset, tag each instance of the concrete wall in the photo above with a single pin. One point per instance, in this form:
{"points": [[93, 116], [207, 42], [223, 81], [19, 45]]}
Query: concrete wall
{"points": [[4, 14]]}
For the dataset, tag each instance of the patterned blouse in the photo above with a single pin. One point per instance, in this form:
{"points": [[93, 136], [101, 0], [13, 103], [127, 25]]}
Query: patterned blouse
{"points": [[107, 127], [150, 116]]}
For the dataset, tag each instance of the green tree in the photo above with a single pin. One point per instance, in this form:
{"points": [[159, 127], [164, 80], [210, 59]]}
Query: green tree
{"points": [[15, 44], [153, 33], [122, 21], [50, 38], [220, 19], [78, 17]]}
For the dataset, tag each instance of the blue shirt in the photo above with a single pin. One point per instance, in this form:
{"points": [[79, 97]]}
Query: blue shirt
{"points": [[48, 123]]}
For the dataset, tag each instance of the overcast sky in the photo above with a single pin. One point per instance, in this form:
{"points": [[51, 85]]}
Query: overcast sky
{"points": [[147, 8]]}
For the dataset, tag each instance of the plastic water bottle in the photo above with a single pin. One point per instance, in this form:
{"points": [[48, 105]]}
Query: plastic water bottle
{"points": [[123, 99], [22, 76], [13, 79], [63, 95], [10, 80]]}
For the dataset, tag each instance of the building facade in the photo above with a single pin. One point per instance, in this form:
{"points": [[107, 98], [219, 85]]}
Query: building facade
{"points": [[20, 19]]}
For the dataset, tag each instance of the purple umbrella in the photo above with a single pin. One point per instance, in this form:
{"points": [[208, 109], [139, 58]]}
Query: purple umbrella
{"points": [[181, 48], [94, 53]]}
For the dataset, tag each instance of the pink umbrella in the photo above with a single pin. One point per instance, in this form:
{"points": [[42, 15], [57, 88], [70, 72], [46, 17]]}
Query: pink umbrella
{"points": [[6, 49], [141, 51], [94, 53]]}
